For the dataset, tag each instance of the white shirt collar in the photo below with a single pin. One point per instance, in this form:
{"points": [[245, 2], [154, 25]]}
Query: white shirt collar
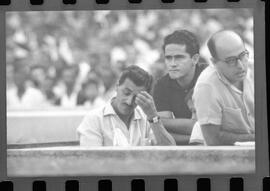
{"points": [[108, 110]]}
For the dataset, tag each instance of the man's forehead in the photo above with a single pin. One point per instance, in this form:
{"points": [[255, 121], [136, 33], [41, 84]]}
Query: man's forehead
{"points": [[131, 86], [228, 44], [175, 48]]}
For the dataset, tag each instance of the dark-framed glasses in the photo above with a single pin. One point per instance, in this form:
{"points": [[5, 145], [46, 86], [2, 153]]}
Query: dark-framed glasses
{"points": [[233, 61]]}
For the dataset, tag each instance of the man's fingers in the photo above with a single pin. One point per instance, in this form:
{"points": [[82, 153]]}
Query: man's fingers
{"points": [[140, 100], [147, 95]]}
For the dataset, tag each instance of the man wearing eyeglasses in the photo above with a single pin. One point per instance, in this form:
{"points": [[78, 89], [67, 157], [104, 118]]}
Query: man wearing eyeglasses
{"points": [[224, 95]]}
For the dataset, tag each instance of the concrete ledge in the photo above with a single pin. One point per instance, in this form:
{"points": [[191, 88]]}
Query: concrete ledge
{"points": [[31, 127], [74, 161]]}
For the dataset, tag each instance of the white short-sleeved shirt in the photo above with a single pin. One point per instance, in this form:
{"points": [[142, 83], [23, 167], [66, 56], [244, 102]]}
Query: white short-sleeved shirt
{"points": [[103, 127], [218, 102], [32, 98]]}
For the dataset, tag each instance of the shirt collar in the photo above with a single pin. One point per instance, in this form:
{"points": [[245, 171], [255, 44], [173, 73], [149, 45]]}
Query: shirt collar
{"points": [[222, 78], [226, 81], [108, 110]]}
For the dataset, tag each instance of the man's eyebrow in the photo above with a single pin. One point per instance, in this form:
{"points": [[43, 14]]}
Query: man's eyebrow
{"points": [[232, 57], [128, 89]]}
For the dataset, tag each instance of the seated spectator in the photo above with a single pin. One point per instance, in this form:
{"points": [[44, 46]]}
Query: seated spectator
{"points": [[89, 95], [38, 75], [67, 89], [172, 92], [128, 119], [224, 95], [23, 95]]}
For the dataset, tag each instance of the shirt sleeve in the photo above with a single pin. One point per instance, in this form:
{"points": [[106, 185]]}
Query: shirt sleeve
{"points": [[89, 131], [161, 97], [207, 106]]}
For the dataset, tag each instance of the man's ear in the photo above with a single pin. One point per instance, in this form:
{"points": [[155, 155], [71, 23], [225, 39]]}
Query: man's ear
{"points": [[195, 58]]}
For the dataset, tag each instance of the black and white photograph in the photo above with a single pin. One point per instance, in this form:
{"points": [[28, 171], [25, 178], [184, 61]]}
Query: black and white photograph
{"points": [[130, 92]]}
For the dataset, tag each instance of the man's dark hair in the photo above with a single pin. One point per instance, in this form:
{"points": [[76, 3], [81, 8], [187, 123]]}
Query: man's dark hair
{"points": [[183, 37], [138, 76]]}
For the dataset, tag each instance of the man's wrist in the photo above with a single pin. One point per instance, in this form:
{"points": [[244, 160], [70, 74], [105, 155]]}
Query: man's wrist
{"points": [[155, 119]]}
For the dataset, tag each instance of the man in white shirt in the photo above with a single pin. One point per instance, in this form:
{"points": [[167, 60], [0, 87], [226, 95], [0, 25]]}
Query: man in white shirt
{"points": [[129, 119], [224, 95], [22, 95]]}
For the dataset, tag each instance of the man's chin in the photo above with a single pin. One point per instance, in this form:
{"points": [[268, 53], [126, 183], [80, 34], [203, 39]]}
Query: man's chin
{"points": [[126, 110], [173, 76], [241, 77]]}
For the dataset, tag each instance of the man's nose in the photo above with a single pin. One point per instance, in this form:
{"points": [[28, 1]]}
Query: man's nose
{"points": [[130, 100], [241, 64], [172, 63]]}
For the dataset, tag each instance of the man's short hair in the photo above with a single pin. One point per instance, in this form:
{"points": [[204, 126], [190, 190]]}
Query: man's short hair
{"points": [[183, 37], [138, 76]]}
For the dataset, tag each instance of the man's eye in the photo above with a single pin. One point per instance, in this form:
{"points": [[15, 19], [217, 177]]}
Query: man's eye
{"points": [[231, 61], [179, 57], [168, 57], [126, 93]]}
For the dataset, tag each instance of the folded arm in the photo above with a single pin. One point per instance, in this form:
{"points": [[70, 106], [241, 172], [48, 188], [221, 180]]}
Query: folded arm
{"points": [[213, 135], [179, 128]]}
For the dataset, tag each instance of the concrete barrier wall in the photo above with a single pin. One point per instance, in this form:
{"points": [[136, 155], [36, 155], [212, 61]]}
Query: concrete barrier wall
{"points": [[78, 161], [29, 127]]}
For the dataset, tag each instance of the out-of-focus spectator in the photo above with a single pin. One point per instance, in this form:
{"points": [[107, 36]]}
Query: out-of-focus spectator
{"points": [[47, 89], [9, 76], [38, 75], [108, 41], [89, 95], [41, 80], [67, 88], [23, 95]]}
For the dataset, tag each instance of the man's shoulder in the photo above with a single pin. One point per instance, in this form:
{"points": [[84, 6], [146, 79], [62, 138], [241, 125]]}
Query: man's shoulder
{"points": [[96, 113], [163, 81], [92, 120], [208, 75]]}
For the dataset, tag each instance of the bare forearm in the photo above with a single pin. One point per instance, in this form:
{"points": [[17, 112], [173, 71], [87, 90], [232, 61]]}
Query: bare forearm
{"points": [[178, 126], [161, 134], [181, 139], [229, 138]]}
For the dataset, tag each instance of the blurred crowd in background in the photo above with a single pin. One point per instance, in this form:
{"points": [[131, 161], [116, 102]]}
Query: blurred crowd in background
{"points": [[73, 59]]}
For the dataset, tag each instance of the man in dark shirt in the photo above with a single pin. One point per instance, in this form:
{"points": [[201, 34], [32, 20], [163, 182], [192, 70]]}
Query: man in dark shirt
{"points": [[173, 92]]}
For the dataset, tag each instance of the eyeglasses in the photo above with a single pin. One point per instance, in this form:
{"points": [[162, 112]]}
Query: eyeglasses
{"points": [[233, 61]]}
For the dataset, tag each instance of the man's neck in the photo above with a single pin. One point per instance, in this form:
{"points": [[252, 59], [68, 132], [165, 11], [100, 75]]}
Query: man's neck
{"points": [[186, 80], [125, 118], [239, 85]]}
